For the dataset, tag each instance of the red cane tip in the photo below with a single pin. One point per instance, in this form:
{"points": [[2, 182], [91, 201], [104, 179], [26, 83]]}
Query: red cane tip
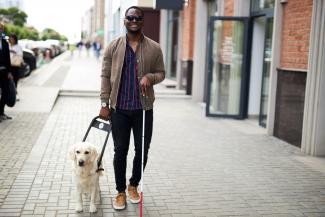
{"points": [[141, 203]]}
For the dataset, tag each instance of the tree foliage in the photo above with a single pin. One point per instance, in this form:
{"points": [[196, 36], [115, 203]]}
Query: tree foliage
{"points": [[14, 15], [22, 32], [50, 34], [16, 20]]}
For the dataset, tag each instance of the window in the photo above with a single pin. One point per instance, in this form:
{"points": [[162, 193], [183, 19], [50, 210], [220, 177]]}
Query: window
{"points": [[258, 5]]}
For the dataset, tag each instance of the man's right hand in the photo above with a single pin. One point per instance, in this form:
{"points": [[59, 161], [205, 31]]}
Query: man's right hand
{"points": [[105, 113], [10, 76]]}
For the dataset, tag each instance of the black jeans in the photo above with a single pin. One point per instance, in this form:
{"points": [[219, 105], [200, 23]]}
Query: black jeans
{"points": [[122, 123]]}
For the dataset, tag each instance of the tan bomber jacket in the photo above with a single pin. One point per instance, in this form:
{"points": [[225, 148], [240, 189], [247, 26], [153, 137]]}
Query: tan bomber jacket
{"points": [[149, 63]]}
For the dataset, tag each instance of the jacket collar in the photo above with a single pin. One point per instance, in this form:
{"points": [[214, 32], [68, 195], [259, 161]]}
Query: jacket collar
{"points": [[125, 39]]}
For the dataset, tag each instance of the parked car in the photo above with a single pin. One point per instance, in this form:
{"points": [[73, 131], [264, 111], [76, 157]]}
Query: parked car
{"points": [[30, 61], [24, 70]]}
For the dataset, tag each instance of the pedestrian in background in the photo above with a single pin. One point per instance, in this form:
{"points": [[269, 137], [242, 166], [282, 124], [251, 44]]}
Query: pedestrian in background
{"points": [[16, 53], [5, 74], [79, 46], [132, 64], [97, 48], [47, 55], [87, 45], [71, 48]]}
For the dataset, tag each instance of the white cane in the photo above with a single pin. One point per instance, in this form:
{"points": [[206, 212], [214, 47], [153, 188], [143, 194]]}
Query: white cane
{"points": [[142, 156]]}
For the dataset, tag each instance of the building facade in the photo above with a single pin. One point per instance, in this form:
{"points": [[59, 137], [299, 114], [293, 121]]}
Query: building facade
{"points": [[86, 24], [257, 59], [98, 21], [93, 23], [263, 60], [114, 19]]}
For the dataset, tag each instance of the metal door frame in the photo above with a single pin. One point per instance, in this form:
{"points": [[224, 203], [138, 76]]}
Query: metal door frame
{"points": [[267, 14], [244, 86]]}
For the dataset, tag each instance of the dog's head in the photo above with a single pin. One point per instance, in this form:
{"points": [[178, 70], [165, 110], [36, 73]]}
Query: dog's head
{"points": [[83, 153]]}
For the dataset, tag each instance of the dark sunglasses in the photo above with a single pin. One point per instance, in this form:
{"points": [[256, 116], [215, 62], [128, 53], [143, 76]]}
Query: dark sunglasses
{"points": [[136, 18]]}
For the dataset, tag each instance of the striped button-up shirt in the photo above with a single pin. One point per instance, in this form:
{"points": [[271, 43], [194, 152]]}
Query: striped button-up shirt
{"points": [[129, 96]]}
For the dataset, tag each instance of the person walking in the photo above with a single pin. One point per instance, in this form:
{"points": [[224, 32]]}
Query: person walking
{"points": [[87, 45], [5, 74], [79, 46], [16, 52], [97, 48], [132, 64]]}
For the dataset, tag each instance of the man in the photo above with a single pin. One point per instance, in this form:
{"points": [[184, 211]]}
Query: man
{"points": [[132, 64], [5, 74]]}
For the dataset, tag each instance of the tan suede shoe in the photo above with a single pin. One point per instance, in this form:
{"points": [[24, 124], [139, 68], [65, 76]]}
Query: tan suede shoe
{"points": [[134, 196], [120, 201]]}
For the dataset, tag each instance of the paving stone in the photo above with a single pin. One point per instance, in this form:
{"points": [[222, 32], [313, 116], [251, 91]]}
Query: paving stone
{"points": [[17, 137], [39, 210], [8, 214]]}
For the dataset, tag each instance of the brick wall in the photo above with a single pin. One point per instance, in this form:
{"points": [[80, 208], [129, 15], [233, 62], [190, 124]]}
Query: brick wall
{"points": [[188, 28], [295, 34]]}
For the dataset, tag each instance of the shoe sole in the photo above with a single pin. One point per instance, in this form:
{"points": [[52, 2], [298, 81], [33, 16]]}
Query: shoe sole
{"points": [[134, 201], [119, 208]]}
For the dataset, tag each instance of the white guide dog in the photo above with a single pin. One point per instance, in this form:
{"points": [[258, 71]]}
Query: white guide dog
{"points": [[84, 158]]}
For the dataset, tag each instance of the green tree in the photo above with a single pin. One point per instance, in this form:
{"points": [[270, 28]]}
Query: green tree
{"points": [[63, 38], [49, 33], [22, 32], [14, 15], [32, 33], [17, 20]]}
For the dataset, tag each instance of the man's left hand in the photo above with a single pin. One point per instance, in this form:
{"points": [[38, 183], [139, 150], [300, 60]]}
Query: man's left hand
{"points": [[144, 85]]}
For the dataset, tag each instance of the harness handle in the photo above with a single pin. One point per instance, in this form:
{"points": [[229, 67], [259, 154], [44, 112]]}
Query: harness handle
{"points": [[104, 126]]}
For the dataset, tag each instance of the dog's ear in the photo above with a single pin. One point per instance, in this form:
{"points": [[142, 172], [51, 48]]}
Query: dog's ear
{"points": [[72, 154], [93, 153]]}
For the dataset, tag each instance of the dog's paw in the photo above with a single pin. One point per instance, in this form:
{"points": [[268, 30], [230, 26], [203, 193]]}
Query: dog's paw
{"points": [[92, 208], [79, 208]]}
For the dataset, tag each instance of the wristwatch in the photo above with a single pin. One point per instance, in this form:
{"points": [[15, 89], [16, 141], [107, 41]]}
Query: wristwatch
{"points": [[104, 104]]}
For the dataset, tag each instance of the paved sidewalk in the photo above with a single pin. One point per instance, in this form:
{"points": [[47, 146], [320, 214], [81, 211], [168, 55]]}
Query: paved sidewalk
{"points": [[197, 166]]}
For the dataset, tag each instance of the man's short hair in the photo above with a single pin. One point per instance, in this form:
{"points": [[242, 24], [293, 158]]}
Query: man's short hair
{"points": [[136, 8]]}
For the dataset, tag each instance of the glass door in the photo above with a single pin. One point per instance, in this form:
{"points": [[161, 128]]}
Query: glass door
{"points": [[266, 71], [172, 49], [228, 74]]}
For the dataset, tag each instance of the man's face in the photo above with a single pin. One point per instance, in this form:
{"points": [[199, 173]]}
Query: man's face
{"points": [[133, 21]]}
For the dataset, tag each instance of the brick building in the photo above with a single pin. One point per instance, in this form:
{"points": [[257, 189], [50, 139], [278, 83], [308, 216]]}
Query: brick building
{"points": [[295, 34], [187, 46], [292, 70], [257, 59], [263, 60], [93, 22]]}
